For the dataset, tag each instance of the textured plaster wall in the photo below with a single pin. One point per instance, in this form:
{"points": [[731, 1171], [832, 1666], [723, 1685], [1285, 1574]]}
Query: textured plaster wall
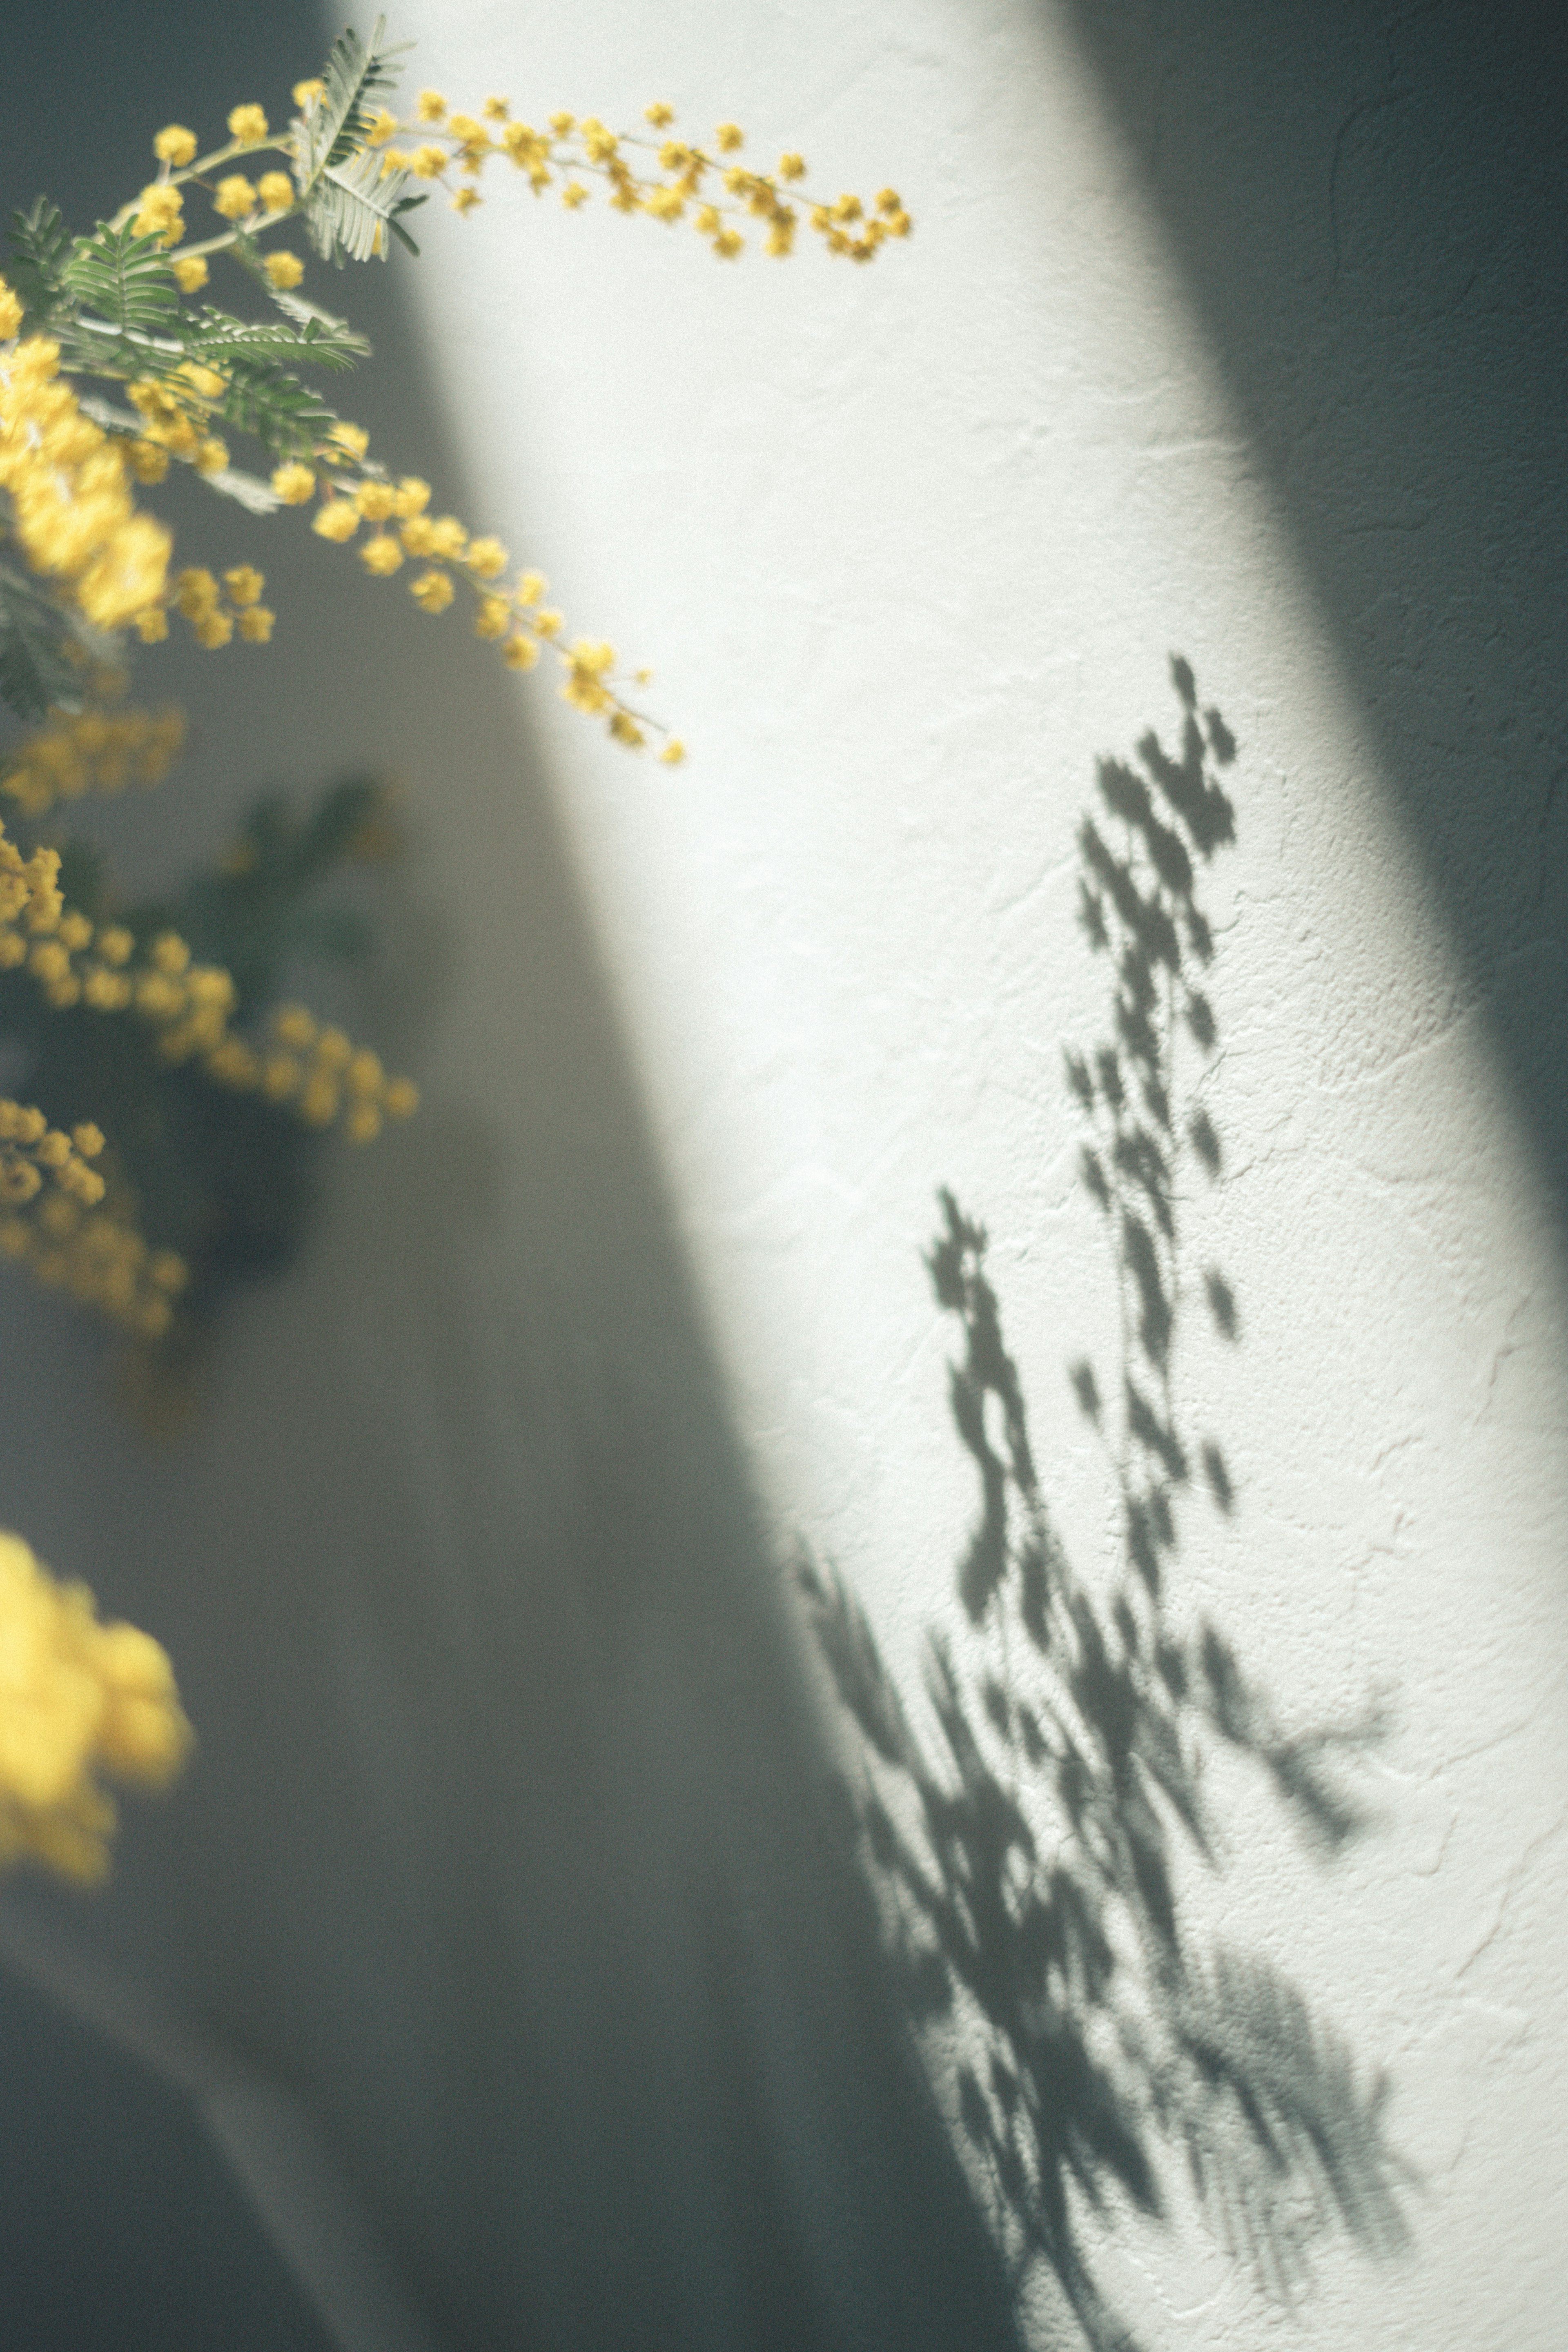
{"points": [[908, 548], [495, 1911]]}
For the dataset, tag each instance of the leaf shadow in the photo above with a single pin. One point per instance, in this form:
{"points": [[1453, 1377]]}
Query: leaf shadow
{"points": [[1029, 1857]]}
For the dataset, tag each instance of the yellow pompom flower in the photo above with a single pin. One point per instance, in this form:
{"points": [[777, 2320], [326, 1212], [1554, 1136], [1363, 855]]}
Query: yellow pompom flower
{"points": [[352, 437], [10, 313], [306, 94], [196, 591], [432, 591], [276, 190], [256, 625], [295, 1025], [729, 137], [293, 483], [284, 269], [244, 584], [432, 106], [382, 555], [427, 162], [77, 1697], [519, 653], [236, 196], [586, 667], [247, 124], [177, 145], [190, 273], [128, 574], [658, 114], [159, 212], [336, 521]]}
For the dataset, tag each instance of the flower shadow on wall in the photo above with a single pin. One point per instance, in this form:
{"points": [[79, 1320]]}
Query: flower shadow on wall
{"points": [[1028, 1866]]}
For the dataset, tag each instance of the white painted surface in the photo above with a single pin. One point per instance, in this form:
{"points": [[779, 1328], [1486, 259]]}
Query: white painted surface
{"points": [[908, 548]]}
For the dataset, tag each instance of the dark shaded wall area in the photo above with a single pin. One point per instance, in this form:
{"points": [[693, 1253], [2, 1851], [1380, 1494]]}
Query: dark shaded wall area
{"points": [[1367, 205]]}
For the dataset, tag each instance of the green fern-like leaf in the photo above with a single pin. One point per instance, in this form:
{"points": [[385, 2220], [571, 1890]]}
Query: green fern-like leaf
{"points": [[39, 242], [124, 278], [302, 313], [355, 79], [315, 341], [347, 199], [286, 415], [350, 212]]}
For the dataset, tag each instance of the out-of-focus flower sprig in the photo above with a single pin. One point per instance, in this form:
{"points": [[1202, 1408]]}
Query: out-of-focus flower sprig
{"points": [[217, 1099], [513, 615], [667, 177], [60, 1216], [78, 1699], [98, 749], [105, 967]]}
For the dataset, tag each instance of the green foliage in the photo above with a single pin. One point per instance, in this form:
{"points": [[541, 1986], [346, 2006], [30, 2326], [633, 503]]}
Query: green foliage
{"points": [[321, 340], [38, 670], [285, 416], [125, 279], [39, 244]]}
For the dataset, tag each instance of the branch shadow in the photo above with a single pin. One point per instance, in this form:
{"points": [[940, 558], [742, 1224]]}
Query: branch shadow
{"points": [[1029, 1859]]}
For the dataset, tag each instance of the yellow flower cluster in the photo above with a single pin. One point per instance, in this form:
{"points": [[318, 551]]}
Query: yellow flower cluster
{"points": [[214, 619], [76, 962], [677, 182], [78, 1699], [67, 1231], [71, 507], [176, 414], [100, 749], [515, 616], [159, 210], [31, 1150]]}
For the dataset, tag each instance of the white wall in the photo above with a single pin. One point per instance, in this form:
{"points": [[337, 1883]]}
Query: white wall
{"points": [[498, 1855]]}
